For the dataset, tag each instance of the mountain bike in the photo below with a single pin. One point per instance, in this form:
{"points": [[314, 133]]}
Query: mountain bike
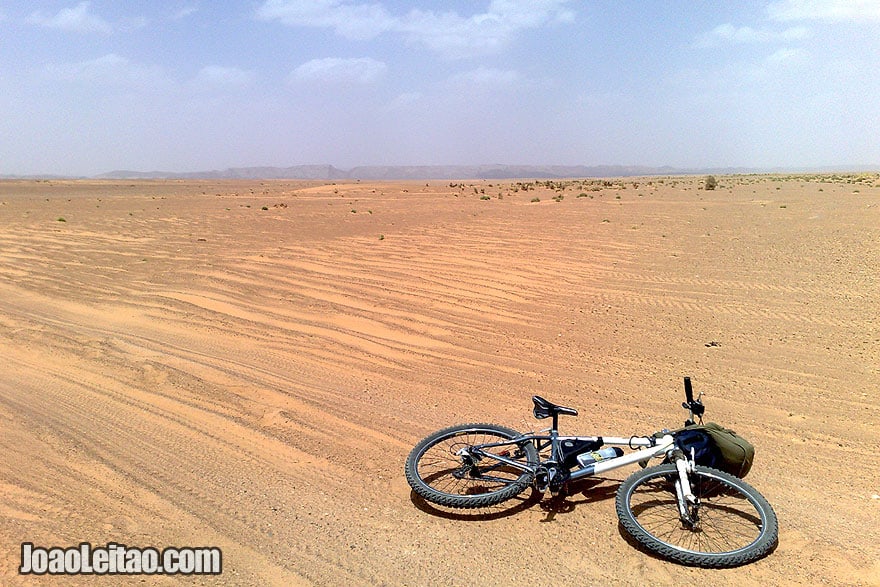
{"points": [[680, 509]]}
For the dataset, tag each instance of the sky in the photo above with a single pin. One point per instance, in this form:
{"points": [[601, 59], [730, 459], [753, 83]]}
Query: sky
{"points": [[88, 87]]}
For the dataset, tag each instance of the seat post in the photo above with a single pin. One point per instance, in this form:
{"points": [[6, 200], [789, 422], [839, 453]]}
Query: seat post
{"points": [[555, 451]]}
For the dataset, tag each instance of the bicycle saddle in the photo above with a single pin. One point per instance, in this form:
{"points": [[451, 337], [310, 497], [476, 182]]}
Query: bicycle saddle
{"points": [[545, 409]]}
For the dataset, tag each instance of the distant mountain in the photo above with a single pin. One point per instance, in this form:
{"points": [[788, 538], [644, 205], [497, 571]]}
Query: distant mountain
{"points": [[295, 172], [38, 177], [419, 172], [498, 172], [459, 172]]}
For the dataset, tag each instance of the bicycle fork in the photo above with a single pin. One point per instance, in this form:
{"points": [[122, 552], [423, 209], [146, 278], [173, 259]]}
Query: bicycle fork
{"points": [[688, 503]]}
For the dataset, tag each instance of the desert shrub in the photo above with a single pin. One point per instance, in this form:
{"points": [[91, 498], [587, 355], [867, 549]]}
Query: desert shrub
{"points": [[711, 182]]}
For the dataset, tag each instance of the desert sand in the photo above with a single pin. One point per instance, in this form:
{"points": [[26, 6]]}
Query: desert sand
{"points": [[247, 365]]}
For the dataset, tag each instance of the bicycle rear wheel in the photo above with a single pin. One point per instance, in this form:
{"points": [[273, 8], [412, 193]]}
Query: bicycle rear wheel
{"points": [[734, 523], [436, 471]]}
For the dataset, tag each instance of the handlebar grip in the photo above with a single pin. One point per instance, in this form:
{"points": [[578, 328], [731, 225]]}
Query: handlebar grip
{"points": [[688, 390]]}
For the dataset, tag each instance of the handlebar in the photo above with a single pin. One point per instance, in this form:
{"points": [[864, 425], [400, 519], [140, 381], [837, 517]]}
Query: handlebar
{"points": [[694, 407]]}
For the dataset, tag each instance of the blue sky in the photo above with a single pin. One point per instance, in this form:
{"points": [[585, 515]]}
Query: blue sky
{"points": [[89, 87]]}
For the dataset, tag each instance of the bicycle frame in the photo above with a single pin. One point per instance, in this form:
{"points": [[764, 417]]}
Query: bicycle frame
{"points": [[652, 447]]}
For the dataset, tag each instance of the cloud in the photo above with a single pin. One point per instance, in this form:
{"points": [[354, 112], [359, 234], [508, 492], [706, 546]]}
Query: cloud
{"points": [[353, 21], [455, 36], [484, 77], [726, 34], [404, 101], [109, 71], [184, 12], [772, 68], [825, 10], [446, 33], [77, 19], [362, 70], [786, 56], [89, 70], [217, 75]]}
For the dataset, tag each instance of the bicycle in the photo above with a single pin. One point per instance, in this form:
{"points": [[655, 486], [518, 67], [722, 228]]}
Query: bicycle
{"points": [[680, 510]]}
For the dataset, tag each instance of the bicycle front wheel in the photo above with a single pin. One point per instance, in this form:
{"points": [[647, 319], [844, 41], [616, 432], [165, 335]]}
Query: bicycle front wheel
{"points": [[437, 472], [733, 524]]}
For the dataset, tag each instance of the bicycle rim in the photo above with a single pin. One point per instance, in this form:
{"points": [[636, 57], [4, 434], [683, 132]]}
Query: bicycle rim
{"points": [[438, 473], [733, 524]]}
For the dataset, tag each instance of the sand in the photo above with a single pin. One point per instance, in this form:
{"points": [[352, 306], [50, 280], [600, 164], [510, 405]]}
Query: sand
{"points": [[247, 365]]}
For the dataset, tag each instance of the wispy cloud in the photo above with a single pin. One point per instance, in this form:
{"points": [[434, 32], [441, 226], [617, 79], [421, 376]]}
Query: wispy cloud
{"points": [[184, 12], [110, 70], [350, 20], [446, 33], [786, 56], [77, 19], [455, 36], [104, 66], [218, 75], [483, 77], [405, 100], [784, 61], [726, 34], [362, 70], [825, 10]]}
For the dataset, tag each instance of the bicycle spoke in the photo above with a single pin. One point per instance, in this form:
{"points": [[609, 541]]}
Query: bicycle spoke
{"points": [[726, 521], [442, 468]]}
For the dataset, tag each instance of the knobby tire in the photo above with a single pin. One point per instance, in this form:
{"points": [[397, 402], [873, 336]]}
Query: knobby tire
{"points": [[437, 473], [736, 524]]}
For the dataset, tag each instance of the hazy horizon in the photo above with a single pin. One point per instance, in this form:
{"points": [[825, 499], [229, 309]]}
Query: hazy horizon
{"points": [[183, 86], [489, 172]]}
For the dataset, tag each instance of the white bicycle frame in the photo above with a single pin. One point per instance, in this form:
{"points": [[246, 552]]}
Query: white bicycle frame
{"points": [[652, 447]]}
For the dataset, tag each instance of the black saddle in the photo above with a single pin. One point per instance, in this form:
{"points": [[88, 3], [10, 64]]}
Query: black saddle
{"points": [[545, 409]]}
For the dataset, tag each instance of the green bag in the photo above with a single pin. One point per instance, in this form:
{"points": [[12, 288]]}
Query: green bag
{"points": [[735, 452], [715, 446]]}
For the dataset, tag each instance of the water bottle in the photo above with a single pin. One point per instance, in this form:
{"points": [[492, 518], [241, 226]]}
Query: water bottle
{"points": [[593, 457]]}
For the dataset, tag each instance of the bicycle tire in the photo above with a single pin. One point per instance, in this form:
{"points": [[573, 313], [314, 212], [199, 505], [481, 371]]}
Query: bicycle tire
{"points": [[431, 465], [736, 524]]}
